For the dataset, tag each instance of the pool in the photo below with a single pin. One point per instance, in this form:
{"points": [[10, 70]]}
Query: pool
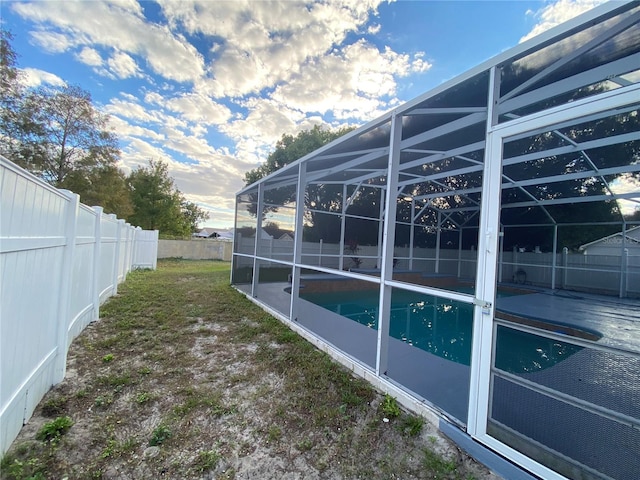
{"points": [[444, 328]]}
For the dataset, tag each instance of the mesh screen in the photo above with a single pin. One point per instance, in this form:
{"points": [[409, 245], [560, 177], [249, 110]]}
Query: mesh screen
{"points": [[599, 443], [608, 379]]}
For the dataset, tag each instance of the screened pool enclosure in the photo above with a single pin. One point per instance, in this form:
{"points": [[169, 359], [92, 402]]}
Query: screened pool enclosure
{"points": [[476, 251]]}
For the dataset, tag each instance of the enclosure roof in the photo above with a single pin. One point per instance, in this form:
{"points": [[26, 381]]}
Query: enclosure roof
{"points": [[444, 130]]}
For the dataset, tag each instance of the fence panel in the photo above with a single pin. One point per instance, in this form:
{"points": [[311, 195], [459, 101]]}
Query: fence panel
{"points": [[58, 262], [145, 249], [607, 274]]}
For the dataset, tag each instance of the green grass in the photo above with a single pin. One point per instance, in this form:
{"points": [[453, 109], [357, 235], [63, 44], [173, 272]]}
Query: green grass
{"points": [[53, 430], [183, 362]]}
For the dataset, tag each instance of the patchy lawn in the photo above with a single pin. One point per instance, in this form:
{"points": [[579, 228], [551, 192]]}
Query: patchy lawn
{"points": [[183, 377]]}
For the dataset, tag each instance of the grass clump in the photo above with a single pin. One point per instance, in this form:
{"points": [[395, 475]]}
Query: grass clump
{"points": [[411, 425], [160, 434], [389, 407], [207, 461], [55, 406], [13, 468], [53, 430]]}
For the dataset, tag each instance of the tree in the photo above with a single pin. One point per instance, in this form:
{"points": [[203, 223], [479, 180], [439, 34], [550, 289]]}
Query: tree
{"points": [[159, 205], [58, 135], [104, 186], [326, 197], [289, 149], [70, 134], [11, 98]]}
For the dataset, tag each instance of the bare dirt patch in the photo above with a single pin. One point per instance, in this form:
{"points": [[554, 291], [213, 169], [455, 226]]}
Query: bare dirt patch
{"points": [[182, 377]]}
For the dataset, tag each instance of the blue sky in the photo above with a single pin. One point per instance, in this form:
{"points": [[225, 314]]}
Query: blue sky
{"points": [[210, 86]]}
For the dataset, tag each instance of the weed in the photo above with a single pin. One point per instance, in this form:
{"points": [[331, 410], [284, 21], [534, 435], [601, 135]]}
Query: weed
{"points": [[108, 358], [114, 448], [143, 397], [103, 400], [411, 425], [274, 434], [54, 406], [160, 434], [53, 430], [390, 407], [115, 379], [13, 468], [438, 466], [206, 461], [305, 445], [144, 370]]}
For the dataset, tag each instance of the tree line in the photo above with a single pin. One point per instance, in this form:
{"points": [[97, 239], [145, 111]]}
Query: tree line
{"points": [[59, 135]]}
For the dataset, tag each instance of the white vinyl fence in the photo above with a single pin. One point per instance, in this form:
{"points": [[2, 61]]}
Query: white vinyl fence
{"points": [[59, 261], [607, 274]]}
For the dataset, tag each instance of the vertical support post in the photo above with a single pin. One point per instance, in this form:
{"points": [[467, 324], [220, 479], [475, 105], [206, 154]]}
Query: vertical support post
{"points": [[97, 252], [343, 224], [66, 273], [116, 257], [237, 238], [485, 285], [460, 252], [623, 260], [297, 245], [256, 246], [625, 271], [565, 266], [554, 257], [156, 234], [412, 234], [320, 254], [501, 255], [380, 227], [388, 241], [438, 242], [130, 233]]}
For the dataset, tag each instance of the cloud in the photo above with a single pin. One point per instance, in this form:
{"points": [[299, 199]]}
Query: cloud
{"points": [[33, 78], [199, 108], [90, 56], [261, 44], [558, 12], [358, 82], [51, 42], [117, 25], [123, 66]]}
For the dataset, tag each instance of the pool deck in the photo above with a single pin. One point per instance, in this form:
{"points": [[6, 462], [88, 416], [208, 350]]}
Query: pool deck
{"points": [[616, 320]]}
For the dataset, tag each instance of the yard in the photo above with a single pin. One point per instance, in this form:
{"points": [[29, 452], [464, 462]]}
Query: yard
{"points": [[183, 377]]}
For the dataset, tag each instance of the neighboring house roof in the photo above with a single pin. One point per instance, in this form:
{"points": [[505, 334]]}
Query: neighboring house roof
{"points": [[632, 237], [286, 236], [210, 232]]}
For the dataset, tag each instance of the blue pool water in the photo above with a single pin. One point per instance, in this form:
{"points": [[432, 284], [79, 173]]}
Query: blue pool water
{"points": [[444, 328]]}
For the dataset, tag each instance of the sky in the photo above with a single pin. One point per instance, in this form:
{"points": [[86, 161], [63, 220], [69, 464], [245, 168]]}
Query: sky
{"points": [[210, 86]]}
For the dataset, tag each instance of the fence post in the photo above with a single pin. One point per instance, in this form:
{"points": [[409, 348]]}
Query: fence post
{"points": [[97, 252], [127, 258], [565, 266], [64, 299], [625, 273], [116, 258]]}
